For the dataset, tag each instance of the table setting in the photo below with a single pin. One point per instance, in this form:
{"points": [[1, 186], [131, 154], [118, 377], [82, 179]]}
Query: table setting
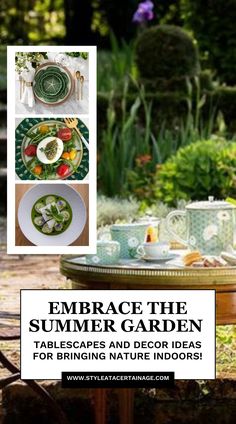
{"points": [[55, 82], [206, 252]]}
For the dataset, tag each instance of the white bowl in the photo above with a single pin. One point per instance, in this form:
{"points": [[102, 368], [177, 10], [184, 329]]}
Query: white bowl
{"points": [[76, 226]]}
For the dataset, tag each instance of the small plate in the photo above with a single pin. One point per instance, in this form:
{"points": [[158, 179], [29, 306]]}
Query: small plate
{"points": [[160, 260], [76, 226]]}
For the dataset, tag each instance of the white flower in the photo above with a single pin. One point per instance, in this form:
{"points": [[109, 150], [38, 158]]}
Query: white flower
{"points": [[109, 250], [192, 241], [133, 242], [210, 231], [223, 216], [165, 251], [95, 259]]}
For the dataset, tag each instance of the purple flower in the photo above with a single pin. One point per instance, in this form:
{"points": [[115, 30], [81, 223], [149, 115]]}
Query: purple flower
{"points": [[144, 12]]}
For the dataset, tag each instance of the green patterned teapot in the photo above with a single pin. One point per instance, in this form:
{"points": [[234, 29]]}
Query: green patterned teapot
{"points": [[209, 224]]}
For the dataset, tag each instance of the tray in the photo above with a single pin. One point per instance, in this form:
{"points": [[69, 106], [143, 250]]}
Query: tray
{"points": [[134, 274]]}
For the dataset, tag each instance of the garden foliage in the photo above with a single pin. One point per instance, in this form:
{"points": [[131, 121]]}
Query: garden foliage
{"points": [[167, 52], [201, 169], [213, 25]]}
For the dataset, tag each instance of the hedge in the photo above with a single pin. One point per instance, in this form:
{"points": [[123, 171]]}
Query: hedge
{"points": [[171, 107]]}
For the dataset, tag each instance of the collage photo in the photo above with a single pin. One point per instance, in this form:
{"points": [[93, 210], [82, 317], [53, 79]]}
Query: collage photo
{"points": [[52, 148]]}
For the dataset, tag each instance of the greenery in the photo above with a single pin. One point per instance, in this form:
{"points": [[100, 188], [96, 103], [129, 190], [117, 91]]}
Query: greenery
{"points": [[202, 168], [123, 140], [84, 55], [213, 24], [112, 210], [141, 144], [35, 59], [3, 69], [224, 99], [31, 21], [225, 349], [166, 52], [118, 63]]}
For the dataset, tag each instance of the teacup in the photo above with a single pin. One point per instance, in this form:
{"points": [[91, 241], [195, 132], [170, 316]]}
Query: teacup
{"points": [[157, 250], [130, 236], [108, 253]]}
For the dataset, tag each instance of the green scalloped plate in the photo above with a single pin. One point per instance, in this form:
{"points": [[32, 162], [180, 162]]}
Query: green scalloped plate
{"points": [[21, 141], [52, 84]]}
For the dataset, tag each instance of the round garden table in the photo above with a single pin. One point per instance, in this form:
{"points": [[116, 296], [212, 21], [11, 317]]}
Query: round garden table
{"points": [[134, 274]]}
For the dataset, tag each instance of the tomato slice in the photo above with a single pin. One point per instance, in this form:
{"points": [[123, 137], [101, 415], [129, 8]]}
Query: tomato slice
{"points": [[63, 170], [30, 150], [64, 134]]}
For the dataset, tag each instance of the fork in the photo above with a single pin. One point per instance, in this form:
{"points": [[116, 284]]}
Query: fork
{"points": [[72, 124]]}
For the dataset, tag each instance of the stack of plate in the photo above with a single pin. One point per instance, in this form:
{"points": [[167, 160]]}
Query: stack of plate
{"points": [[52, 84]]}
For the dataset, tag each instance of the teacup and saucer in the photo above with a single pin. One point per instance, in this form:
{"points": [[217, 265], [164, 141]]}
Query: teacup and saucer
{"points": [[155, 251]]}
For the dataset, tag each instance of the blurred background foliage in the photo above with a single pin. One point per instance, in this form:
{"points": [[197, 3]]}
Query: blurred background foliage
{"points": [[90, 22], [163, 83], [74, 22]]}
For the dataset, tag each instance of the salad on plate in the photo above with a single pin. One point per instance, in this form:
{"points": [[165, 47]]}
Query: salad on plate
{"points": [[51, 151]]}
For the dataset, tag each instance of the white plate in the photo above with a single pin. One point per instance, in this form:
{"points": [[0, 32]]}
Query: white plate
{"points": [[76, 226], [159, 260]]}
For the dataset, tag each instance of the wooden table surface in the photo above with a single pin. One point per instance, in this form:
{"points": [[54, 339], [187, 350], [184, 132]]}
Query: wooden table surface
{"points": [[82, 240]]}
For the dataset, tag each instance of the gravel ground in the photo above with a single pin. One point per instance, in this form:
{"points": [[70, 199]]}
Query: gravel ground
{"points": [[17, 272]]}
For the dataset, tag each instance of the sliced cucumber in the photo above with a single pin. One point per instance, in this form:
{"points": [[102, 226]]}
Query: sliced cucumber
{"points": [[39, 206], [66, 215], [50, 199], [46, 229], [38, 220], [58, 227], [61, 204]]}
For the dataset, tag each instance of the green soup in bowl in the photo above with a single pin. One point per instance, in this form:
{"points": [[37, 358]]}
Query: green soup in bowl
{"points": [[51, 215]]}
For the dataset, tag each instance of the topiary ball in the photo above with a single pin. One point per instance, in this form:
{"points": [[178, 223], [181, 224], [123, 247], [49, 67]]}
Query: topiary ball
{"points": [[166, 52]]}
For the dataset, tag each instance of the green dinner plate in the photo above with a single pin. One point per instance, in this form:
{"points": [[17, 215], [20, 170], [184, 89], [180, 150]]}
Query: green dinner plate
{"points": [[20, 135], [52, 84]]}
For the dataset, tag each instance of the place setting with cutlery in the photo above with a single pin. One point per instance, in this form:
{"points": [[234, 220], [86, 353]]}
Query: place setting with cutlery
{"points": [[52, 82]]}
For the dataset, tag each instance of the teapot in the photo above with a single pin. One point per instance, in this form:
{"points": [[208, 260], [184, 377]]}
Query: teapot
{"points": [[209, 224]]}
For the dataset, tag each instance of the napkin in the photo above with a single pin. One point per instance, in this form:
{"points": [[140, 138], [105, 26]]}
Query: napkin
{"points": [[28, 94]]}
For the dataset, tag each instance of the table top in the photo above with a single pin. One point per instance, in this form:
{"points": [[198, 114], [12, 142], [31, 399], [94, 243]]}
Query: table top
{"points": [[71, 105], [140, 272]]}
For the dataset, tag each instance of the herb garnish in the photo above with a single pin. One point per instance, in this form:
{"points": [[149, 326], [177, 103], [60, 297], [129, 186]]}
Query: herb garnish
{"points": [[52, 212], [50, 150]]}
